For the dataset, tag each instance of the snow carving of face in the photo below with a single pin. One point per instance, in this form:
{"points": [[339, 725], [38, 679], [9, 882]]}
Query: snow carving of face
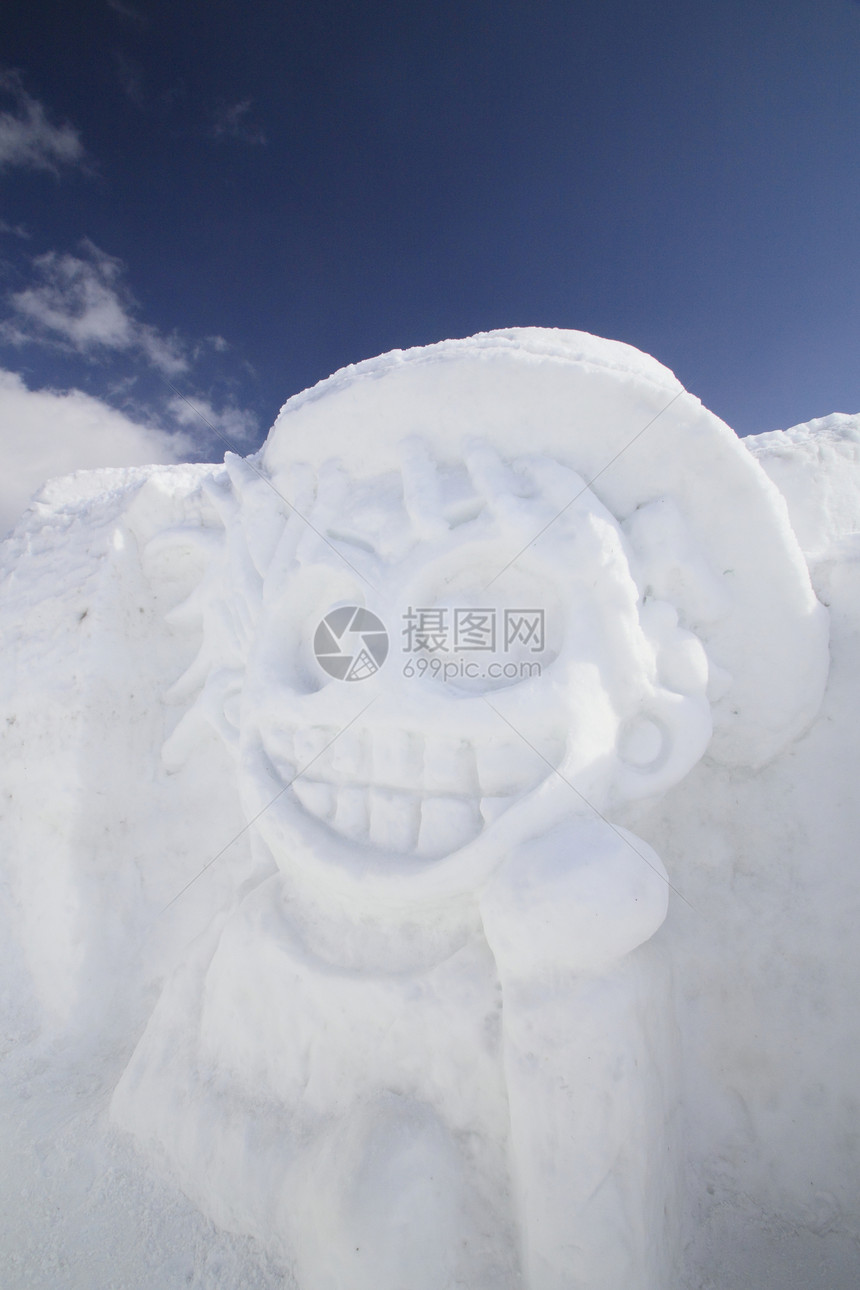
{"points": [[407, 787]]}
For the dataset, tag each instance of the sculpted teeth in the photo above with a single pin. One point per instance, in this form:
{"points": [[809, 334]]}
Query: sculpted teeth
{"points": [[399, 792], [394, 819], [449, 767], [351, 813], [505, 769], [397, 758], [309, 744], [317, 798], [447, 823], [404, 761], [349, 756]]}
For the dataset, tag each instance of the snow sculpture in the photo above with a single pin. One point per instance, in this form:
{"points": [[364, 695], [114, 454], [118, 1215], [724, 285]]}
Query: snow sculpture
{"points": [[432, 1044]]}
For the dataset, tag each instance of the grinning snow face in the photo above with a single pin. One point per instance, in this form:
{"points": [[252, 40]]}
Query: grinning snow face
{"points": [[412, 783]]}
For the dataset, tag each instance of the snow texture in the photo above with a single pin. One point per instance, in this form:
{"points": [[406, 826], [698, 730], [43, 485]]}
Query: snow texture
{"points": [[517, 977]]}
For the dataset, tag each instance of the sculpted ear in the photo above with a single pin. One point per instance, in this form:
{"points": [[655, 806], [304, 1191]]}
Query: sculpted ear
{"points": [[661, 743]]}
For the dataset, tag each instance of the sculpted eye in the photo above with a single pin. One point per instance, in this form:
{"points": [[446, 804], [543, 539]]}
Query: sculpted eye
{"points": [[466, 623]]}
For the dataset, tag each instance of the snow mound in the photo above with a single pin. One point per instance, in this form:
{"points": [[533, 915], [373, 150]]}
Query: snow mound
{"points": [[816, 466], [410, 974]]}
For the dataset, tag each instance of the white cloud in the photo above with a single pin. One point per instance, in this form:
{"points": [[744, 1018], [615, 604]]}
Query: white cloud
{"points": [[44, 433], [83, 303], [28, 138], [233, 426]]}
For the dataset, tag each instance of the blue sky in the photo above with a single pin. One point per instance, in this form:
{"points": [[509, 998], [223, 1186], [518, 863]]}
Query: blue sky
{"points": [[236, 199]]}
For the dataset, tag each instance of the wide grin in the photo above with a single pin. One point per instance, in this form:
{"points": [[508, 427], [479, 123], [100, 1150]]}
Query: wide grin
{"points": [[402, 791]]}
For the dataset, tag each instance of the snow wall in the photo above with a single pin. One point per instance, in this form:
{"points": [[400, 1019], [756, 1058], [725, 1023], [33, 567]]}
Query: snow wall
{"points": [[433, 837]]}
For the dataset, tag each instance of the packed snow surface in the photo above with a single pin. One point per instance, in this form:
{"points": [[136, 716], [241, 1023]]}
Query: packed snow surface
{"points": [[428, 845]]}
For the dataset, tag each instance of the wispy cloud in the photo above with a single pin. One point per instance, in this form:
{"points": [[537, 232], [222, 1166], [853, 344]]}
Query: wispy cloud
{"points": [[81, 302], [28, 137], [13, 230], [232, 425], [232, 122]]}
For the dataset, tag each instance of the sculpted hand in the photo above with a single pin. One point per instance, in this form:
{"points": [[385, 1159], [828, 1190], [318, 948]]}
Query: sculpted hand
{"points": [[574, 901]]}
